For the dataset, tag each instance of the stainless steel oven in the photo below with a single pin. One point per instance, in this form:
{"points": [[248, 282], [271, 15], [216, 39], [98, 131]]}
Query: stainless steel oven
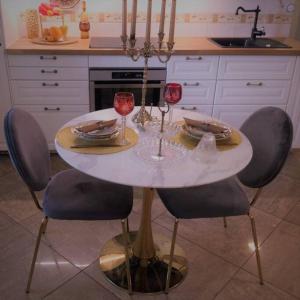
{"points": [[104, 83]]}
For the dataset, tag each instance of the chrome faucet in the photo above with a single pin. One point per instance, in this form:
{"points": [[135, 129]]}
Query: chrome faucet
{"points": [[255, 32]]}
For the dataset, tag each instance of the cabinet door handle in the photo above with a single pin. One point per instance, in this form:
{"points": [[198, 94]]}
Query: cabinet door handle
{"points": [[50, 84], [49, 71], [51, 109], [186, 108], [191, 84], [42, 57], [254, 84], [193, 58]]}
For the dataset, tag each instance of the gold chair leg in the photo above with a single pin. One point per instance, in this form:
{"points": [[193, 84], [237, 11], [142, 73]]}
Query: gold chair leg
{"points": [[127, 225], [261, 281], [225, 222], [171, 256], [42, 229], [125, 240]]}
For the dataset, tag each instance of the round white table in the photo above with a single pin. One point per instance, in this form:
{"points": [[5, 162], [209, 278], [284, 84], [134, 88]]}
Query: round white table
{"points": [[150, 255]]}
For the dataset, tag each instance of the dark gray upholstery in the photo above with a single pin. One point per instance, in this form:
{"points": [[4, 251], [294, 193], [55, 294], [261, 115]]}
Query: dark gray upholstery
{"points": [[270, 132], [69, 195], [28, 148], [221, 199]]}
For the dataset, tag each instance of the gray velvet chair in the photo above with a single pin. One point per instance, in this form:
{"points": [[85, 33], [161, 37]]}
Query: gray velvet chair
{"points": [[70, 194], [270, 132]]}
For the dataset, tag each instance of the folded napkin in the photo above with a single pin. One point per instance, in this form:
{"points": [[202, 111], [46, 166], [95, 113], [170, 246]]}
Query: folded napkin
{"points": [[206, 126], [97, 125]]}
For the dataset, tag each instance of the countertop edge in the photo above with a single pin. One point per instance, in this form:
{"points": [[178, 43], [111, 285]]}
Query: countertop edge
{"points": [[184, 46]]}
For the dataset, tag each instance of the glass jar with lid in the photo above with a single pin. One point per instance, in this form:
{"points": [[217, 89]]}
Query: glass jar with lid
{"points": [[53, 28]]}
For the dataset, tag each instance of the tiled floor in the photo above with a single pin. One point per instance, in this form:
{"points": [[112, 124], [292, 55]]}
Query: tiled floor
{"points": [[222, 264]]}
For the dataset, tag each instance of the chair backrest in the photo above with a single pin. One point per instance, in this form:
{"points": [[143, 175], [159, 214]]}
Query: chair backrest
{"points": [[27, 148], [270, 131]]}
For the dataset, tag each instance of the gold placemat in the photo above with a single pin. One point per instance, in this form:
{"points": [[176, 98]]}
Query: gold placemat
{"points": [[191, 143], [67, 139]]}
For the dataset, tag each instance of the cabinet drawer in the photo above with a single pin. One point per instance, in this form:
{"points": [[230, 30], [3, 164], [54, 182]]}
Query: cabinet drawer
{"points": [[203, 109], [47, 73], [198, 92], [107, 61], [236, 115], [52, 119], [256, 67], [192, 67], [50, 92], [252, 92], [47, 60]]}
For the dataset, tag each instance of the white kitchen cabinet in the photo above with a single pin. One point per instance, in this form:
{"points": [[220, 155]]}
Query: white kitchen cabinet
{"points": [[192, 67], [5, 102], [256, 67], [70, 61], [199, 92], [235, 115], [53, 117], [53, 88], [203, 109], [293, 107], [48, 73], [49, 92], [262, 92]]}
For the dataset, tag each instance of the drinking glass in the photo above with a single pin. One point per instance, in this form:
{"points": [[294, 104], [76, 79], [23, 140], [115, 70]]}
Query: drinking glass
{"points": [[206, 149], [123, 104], [172, 95]]}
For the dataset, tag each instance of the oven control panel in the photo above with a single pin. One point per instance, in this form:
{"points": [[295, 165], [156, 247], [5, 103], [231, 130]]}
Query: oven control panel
{"points": [[127, 75]]}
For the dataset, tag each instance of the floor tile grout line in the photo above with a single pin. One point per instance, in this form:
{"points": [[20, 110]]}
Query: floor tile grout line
{"points": [[104, 287], [48, 245], [200, 246], [61, 285], [261, 244], [271, 284], [227, 282]]}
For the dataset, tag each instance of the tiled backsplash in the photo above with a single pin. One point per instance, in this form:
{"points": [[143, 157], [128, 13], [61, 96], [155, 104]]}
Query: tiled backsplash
{"points": [[194, 17]]}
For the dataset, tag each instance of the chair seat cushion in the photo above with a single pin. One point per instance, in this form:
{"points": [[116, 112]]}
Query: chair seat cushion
{"points": [[72, 195], [221, 199]]}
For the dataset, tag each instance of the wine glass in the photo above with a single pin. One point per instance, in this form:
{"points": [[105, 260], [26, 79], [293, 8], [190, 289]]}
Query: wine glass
{"points": [[123, 104], [172, 95]]}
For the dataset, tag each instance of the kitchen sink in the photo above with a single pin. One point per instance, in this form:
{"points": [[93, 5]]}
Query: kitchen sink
{"points": [[248, 43]]}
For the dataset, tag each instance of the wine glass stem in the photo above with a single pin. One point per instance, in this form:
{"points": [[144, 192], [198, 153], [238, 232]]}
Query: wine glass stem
{"points": [[171, 113], [123, 141]]}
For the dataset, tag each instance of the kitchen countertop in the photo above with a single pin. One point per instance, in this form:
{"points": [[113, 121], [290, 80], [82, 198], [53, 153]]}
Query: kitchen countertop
{"points": [[183, 46]]}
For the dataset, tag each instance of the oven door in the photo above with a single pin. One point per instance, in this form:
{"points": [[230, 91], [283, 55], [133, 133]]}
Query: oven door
{"points": [[102, 92]]}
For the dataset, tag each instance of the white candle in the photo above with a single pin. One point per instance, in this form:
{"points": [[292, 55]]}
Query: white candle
{"points": [[124, 18], [162, 16], [148, 24], [172, 22], [133, 19]]}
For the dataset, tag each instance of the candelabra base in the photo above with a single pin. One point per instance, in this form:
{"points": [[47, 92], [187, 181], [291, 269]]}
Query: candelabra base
{"points": [[141, 117]]}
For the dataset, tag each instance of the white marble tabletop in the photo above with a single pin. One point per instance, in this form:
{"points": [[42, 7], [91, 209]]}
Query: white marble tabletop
{"points": [[128, 169]]}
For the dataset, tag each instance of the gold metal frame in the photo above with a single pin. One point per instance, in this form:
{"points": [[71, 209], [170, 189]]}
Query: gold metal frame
{"points": [[254, 234], [42, 230], [147, 256]]}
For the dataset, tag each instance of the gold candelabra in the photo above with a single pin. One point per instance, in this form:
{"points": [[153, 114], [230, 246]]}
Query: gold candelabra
{"points": [[149, 50]]}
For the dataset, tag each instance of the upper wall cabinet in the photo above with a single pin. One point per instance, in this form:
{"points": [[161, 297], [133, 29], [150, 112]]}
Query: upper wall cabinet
{"points": [[193, 67], [256, 67]]}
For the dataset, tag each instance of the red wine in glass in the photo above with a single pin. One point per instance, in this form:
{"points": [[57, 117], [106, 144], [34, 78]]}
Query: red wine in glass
{"points": [[172, 95], [124, 105]]}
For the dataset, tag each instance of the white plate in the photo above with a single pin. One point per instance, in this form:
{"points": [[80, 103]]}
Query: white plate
{"points": [[106, 133]]}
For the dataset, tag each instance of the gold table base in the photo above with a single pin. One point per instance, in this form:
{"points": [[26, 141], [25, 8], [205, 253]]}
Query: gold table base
{"points": [[147, 275]]}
